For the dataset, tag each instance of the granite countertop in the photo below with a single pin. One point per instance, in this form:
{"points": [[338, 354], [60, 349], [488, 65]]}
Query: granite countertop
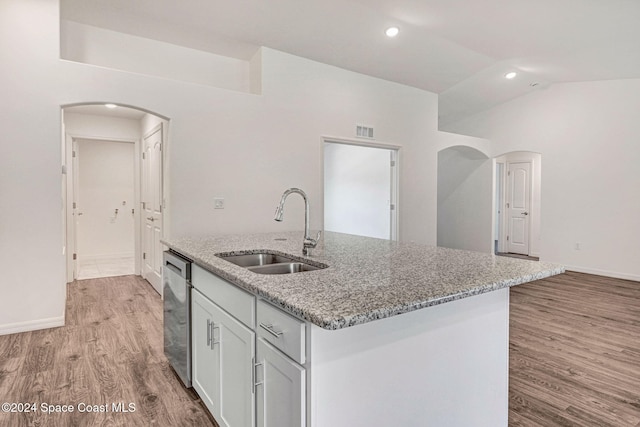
{"points": [[367, 278]]}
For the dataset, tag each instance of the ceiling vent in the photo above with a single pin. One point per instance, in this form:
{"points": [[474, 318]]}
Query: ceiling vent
{"points": [[364, 131]]}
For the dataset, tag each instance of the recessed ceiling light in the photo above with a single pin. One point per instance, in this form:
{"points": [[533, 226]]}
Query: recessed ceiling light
{"points": [[110, 105], [510, 75], [392, 31]]}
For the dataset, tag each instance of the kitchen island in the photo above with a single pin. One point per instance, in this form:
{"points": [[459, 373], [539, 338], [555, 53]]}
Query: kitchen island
{"points": [[396, 333]]}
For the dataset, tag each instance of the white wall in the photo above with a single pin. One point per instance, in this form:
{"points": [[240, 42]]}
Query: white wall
{"points": [[249, 149], [33, 282], [587, 134], [105, 183], [357, 190], [465, 213], [244, 147]]}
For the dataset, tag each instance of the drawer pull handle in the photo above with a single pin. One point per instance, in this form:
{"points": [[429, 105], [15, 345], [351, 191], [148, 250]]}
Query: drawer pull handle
{"points": [[254, 375], [213, 334], [269, 328], [211, 337]]}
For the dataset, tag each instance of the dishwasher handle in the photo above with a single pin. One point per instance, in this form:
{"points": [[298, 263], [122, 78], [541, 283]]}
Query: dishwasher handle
{"points": [[178, 265]]}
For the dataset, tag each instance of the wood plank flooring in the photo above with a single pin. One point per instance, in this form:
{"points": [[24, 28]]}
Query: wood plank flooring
{"points": [[110, 351], [575, 352], [574, 357]]}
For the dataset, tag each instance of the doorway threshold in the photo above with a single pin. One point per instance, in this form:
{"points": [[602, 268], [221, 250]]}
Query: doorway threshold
{"points": [[511, 255]]}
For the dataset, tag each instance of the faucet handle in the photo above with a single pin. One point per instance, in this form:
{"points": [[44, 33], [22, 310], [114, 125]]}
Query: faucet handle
{"points": [[311, 243]]}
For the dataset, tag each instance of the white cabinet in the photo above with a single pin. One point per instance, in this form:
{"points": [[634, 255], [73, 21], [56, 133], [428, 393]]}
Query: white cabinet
{"points": [[281, 393], [205, 361], [227, 364], [223, 357]]}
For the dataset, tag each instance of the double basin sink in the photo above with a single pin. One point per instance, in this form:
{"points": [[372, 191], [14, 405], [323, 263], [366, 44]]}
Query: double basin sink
{"points": [[268, 263]]}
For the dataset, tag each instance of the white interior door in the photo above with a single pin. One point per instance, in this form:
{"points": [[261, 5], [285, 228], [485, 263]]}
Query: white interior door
{"points": [[152, 208], [359, 190], [518, 207]]}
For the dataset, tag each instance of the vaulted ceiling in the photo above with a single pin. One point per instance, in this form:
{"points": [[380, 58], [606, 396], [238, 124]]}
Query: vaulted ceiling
{"points": [[460, 49]]}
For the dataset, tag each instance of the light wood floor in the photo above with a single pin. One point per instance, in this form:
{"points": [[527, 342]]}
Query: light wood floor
{"points": [[574, 357], [575, 352], [110, 351]]}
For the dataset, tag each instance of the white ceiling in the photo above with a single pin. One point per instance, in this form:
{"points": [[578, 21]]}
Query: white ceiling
{"points": [[459, 49]]}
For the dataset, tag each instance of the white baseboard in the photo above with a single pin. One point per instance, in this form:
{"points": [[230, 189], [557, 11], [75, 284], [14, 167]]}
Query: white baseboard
{"points": [[31, 325], [606, 273]]}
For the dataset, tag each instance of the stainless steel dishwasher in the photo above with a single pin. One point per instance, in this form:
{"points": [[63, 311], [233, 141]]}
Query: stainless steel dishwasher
{"points": [[176, 278]]}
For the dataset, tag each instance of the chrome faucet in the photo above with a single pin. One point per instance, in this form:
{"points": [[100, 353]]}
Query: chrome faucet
{"points": [[308, 242]]}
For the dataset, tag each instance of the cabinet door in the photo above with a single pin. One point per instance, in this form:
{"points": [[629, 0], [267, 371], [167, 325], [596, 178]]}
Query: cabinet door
{"points": [[235, 346], [281, 398], [205, 361], [223, 350]]}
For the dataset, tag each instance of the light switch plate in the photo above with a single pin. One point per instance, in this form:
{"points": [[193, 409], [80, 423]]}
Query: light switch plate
{"points": [[218, 203]]}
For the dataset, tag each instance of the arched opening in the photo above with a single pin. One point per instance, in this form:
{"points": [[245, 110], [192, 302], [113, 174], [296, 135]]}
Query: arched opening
{"points": [[465, 180], [517, 213], [114, 192]]}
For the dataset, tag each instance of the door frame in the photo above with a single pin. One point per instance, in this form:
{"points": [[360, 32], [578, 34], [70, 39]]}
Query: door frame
{"points": [[162, 128], [499, 192], [395, 175], [535, 194], [509, 201], [70, 140]]}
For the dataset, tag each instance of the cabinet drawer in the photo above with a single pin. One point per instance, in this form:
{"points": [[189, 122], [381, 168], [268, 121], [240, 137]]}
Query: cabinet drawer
{"points": [[231, 298], [281, 330]]}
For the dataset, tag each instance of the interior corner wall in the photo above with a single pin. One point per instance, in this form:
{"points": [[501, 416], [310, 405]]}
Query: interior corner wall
{"points": [[587, 134], [465, 200]]}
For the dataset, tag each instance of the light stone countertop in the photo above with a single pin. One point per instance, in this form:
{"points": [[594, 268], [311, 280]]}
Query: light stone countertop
{"points": [[367, 278]]}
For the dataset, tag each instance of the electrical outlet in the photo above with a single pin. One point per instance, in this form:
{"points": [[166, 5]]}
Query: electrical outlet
{"points": [[218, 203]]}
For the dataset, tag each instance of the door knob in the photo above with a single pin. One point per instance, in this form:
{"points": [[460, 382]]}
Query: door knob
{"points": [[150, 219], [525, 213]]}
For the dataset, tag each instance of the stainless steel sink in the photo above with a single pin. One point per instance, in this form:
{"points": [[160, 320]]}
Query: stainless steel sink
{"points": [[251, 260], [267, 263], [283, 268]]}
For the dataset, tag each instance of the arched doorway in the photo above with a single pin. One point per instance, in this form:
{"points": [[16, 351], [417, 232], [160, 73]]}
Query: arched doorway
{"points": [[113, 191]]}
